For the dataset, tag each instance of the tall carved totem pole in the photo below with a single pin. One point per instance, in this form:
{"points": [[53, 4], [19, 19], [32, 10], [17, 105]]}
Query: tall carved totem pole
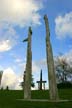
{"points": [[27, 83], [1, 73], [50, 64]]}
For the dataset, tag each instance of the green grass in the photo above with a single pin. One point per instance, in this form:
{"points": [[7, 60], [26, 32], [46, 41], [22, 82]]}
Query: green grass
{"points": [[8, 99]]}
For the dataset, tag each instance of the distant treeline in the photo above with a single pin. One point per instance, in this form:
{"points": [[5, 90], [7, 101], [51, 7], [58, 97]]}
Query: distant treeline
{"points": [[64, 85]]}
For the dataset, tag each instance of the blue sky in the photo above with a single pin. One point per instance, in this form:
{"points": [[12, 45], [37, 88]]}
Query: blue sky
{"points": [[15, 18]]}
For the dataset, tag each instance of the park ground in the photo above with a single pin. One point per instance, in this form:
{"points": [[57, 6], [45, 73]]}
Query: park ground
{"points": [[10, 99]]}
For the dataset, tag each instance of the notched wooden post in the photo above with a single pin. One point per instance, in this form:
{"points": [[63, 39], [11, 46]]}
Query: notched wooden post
{"points": [[27, 83], [50, 64]]}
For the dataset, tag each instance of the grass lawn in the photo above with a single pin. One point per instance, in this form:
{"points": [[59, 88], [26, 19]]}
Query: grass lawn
{"points": [[8, 99]]}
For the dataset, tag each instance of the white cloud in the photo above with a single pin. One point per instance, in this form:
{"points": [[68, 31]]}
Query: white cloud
{"points": [[13, 80], [14, 13], [8, 38], [68, 57], [1, 67], [5, 45], [42, 63], [38, 65], [20, 12], [10, 79], [63, 25], [35, 67], [18, 60]]}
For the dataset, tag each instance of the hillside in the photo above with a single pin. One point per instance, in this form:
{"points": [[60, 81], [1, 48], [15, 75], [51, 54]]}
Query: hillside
{"points": [[9, 99]]}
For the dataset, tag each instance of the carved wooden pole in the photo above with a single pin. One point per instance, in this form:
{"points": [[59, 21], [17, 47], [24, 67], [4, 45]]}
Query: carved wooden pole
{"points": [[1, 73], [27, 83], [50, 64]]}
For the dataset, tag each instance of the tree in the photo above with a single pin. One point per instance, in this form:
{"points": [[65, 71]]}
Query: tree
{"points": [[7, 87], [63, 70], [2, 88], [32, 83]]}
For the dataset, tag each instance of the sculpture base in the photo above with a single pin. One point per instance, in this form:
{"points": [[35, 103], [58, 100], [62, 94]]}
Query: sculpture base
{"points": [[44, 100]]}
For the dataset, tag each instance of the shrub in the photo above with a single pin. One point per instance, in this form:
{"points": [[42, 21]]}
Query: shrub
{"points": [[64, 85]]}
